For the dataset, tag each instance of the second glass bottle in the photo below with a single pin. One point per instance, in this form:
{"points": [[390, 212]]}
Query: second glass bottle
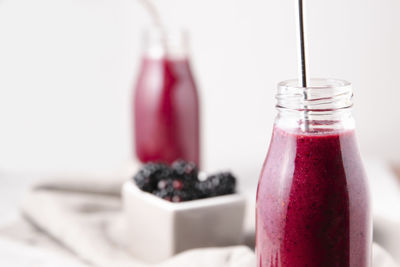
{"points": [[166, 104]]}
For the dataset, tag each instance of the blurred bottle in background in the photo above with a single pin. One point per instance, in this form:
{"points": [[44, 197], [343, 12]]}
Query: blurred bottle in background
{"points": [[166, 104]]}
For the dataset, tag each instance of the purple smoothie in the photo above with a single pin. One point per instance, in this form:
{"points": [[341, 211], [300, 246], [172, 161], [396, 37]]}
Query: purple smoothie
{"points": [[312, 202], [166, 109]]}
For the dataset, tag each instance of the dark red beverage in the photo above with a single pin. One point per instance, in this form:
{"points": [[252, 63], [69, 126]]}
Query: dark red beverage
{"points": [[312, 200], [166, 109]]}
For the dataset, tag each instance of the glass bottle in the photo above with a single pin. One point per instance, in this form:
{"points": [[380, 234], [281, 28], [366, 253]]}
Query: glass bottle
{"points": [[166, 105], [313, 206]]}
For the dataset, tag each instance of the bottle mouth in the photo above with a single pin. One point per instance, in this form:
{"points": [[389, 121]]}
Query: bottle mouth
{"points": [[161, 42], [320, 95]]}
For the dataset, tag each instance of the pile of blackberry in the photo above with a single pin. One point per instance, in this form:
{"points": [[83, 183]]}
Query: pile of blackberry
{"points": [[179, 182]]}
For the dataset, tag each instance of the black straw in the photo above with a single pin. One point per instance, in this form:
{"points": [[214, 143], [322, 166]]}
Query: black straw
{"points": [[302, 46], [303, 65]]}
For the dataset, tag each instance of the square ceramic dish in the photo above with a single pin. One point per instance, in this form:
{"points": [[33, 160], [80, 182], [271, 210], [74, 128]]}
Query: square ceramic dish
{"points": [[158, 229]]}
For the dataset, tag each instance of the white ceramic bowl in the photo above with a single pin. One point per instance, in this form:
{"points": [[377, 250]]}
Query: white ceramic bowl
{"points": [[158, 229]]}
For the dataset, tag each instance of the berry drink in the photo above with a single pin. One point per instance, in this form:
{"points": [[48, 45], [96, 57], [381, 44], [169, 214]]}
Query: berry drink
{"points": [[312, 199], [166, 109], [315, 205]]}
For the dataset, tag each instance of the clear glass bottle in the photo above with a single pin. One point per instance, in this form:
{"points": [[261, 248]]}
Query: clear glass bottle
{"points": [[166, 104], [313, 206]]}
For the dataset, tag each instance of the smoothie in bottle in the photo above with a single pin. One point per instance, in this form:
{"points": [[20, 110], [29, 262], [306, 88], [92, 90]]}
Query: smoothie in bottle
{"points": [[313, 205], [166, 105]]}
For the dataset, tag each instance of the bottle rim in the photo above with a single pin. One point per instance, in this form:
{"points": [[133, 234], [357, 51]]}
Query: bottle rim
{"points": [[316, 83], [162, 42], [322, 94]]}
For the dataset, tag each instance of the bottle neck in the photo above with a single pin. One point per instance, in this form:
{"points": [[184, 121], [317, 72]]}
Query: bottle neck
{"points": [[326, 105], [160, 43]]}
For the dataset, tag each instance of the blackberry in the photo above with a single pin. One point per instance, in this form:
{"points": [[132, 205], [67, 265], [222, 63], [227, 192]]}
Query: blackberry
{"points": [[166, 185], [217, 185], [180, 196], [163, 194], [180, 182], [150, 174], [163, 184], [186, 176], [185, 170], [174, 196], [173, 185], [177, 184], [177, 190]]}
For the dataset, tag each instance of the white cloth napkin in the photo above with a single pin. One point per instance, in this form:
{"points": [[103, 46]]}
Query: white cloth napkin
{"points": [[385, 191], [80, 217]]}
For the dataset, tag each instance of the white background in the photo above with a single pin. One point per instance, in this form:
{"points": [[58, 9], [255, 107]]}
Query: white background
{"points": [[67, 68]]}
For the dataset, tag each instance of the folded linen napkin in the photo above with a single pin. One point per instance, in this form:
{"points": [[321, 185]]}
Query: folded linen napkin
{"points": [[82, 215]]}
